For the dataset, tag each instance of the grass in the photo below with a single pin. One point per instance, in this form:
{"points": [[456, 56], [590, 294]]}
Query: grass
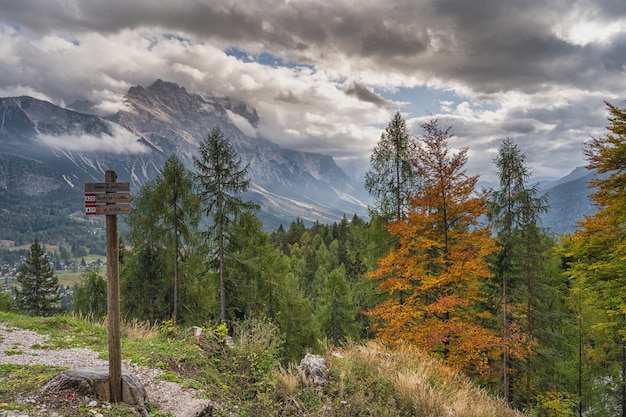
{"points": [[69, 278], [247, 380]]}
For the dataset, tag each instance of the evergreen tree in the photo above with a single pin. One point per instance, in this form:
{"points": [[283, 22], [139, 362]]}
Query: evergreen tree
{"points": [[178, 211], [163, 222], [515, 210], [221, 180], [145, 290], [90, 298], [39, 293], [336, 311], [392, 179]]}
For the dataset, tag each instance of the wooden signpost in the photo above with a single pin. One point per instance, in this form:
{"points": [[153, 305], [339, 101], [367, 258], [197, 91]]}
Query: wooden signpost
{"points": [[105, 199]]}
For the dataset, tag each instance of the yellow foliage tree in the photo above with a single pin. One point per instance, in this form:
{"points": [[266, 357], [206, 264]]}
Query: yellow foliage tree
{"points": [[598, 251], [439, 264]]}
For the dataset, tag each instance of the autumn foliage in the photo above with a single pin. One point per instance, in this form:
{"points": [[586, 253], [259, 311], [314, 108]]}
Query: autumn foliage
{"points": [[434, 277]]}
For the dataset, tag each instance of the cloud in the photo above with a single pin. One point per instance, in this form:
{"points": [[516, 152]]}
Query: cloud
{"points": [[322, 74], [361, 92], [242, 124], [121, 141]]}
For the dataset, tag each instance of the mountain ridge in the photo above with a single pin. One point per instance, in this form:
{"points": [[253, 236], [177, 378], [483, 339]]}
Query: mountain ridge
{"points": [[48, 148], [73, 147]]}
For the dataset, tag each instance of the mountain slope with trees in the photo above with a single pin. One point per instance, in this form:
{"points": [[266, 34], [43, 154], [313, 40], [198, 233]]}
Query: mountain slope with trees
{"points": [[469, 278]]}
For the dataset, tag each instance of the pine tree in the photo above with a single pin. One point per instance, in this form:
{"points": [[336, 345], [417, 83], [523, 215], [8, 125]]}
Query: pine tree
{"points": [[221, 179], [336, 311], [38, 294]]}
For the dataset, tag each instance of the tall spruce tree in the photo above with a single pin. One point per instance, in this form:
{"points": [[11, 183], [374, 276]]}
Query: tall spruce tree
{"points": [[392, 179], [39, 293], [514, 211], [336, 311], [221, 181], [144, 288]]}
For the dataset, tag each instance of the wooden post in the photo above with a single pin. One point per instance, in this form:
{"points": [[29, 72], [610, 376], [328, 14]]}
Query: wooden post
{"points": [[113, 301]]}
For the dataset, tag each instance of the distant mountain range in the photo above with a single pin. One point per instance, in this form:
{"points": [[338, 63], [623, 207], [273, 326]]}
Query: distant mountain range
{"points": [[50, 150], [568, 200], [46, 148]]}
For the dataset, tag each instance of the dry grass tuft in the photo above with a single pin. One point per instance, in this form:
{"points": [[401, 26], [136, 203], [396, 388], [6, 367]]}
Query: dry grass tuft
{"points": [[138, 330], [424, 385], [290, 378]]}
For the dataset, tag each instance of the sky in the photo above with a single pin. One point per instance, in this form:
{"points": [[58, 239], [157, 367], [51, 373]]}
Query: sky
{"points": [[328, 76]]}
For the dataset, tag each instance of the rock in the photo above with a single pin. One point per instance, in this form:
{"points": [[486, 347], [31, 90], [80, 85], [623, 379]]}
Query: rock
{"points": [[96, 381], [313, 368], [204, 410]]}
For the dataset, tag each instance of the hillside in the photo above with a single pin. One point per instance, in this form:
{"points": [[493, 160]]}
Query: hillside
{"points": [[243, 380]]}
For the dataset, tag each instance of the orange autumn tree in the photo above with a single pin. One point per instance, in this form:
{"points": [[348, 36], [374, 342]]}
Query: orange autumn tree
{"points": [[439, 264]]}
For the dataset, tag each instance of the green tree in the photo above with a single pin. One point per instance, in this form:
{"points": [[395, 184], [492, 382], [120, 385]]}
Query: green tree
{"points": [[392, 179], [514, 210], [38, 294], [221, 180], [179, 212], [162, 226], [90, 298], [143, 287], [144, 280], [6, 302], [598, 250], [336, 311]]}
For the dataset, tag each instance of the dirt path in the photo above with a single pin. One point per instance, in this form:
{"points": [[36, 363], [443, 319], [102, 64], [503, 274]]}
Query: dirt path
{"points": [[167, 397]]}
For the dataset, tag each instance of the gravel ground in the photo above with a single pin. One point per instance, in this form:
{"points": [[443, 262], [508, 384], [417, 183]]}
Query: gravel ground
{"points": [[167, 397]]}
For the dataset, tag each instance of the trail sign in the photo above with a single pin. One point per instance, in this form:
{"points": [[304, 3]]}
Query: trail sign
{"points": [[93, 199], [109, 209], [101, 198], [94, 187]]}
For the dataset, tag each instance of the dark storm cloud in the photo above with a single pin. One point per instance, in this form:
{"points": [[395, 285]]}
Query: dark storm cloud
{"points": [[493, 45], [364, 94], [534, 70]]}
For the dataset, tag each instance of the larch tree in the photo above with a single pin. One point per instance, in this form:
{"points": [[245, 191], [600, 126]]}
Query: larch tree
{"points": [[179, 213], [222, 179], [336, 311], [440, 263], [391, 179], [38, 293], [165, 217], [599, 247]]}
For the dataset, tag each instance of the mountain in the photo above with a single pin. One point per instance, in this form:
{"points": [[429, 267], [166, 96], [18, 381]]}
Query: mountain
{"points": [[48, 149], [568, 200], [47, 152]]}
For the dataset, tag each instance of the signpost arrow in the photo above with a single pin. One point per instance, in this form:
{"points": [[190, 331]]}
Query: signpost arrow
{"points": [[109, 209], [95, 187], [92, 199]]}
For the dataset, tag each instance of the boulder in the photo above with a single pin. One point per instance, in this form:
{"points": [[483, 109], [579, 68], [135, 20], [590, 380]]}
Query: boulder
{"points": [[313, 368], [95, 381]]}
